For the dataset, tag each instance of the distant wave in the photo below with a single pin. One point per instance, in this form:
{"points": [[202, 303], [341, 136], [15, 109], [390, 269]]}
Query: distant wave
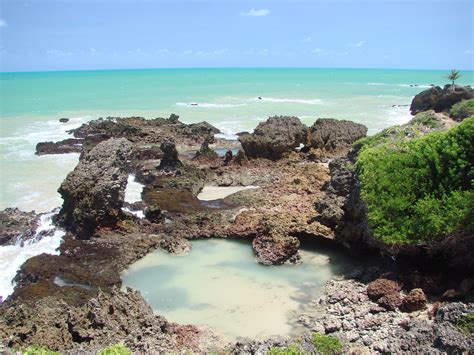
{"points": [[207, 105], [295, 101], [425, 86]]}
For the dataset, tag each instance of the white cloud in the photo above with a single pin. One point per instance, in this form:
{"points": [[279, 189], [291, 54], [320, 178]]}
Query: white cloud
{"points": [[359, 44], [256, 13], [3, 23], [92, 51], [468, 51], [318, 51], [307, 39], [58, 53]]}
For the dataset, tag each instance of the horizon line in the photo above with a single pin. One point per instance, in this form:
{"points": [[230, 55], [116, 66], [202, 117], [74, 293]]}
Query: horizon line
{"points": [[223, 67]]}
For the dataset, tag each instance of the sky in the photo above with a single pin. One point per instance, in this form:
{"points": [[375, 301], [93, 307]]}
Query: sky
{"points": [[37, 35]]}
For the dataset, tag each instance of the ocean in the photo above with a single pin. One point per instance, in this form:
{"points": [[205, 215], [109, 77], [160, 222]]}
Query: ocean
{"points": [[32, 103]]}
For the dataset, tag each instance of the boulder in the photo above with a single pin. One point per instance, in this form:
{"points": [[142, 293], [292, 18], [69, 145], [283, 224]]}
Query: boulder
{"points": [[391, 301], [331, 135], [206, 153], [274, 137], [381, 287], [414, 301], [64, 120], [425, 100], [93, 192]]}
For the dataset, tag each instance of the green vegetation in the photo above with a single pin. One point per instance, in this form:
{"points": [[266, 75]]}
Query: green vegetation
{"points": [[292, 349], [462, 110], [453, 76], [326, 344], [421, 124], [36, 350], [466, 323], [117, 349], [419, 189]]}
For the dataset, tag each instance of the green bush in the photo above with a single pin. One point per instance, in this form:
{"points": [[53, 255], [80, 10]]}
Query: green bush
{"points": [[117, 349], [462, 110], [466, 323], [326, 344], [37, 350], [420, 189], [292, 349]]}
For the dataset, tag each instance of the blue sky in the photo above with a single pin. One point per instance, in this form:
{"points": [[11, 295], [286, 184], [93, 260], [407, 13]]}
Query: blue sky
{"points": [[105, 34]]}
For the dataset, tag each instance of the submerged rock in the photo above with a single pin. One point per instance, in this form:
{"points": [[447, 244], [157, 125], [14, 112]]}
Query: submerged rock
{"points": [[274, 137], [16, 225], [93, 192]]}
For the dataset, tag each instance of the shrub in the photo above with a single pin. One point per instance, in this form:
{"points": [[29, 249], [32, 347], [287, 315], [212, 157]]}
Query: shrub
{"points": [[466, 323], [37, 350], [117, 349], [292, 349], [420, 189], [462, 110], [326, 344]]}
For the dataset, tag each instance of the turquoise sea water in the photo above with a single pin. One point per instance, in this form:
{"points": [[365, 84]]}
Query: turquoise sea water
{"points": [[32, 103]]}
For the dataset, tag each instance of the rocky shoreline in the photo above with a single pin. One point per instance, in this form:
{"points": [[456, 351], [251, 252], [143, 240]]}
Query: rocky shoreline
{"points": [[307, 193]]}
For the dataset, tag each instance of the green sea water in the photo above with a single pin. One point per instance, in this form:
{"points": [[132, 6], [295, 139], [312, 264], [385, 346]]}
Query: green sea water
{"points": [[32, 103]]}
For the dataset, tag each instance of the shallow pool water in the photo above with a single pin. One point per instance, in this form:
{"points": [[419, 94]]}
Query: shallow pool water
{"points": [[219, 284]]}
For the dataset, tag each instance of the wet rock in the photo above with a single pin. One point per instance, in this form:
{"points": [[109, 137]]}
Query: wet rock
{"points": [[175, 245], [64, 120], [93, 192], [70, 145], [274, 137], [414, 301], [154, 214], [381, 287], [170, 158], [452, 295], [16, 226], [439, 99], [333, 136], [330, 209], [240, 158]]}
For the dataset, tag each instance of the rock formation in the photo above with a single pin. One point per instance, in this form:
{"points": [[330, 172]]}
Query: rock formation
{"points": [[439, 99], [93, 192], [274, 137]]}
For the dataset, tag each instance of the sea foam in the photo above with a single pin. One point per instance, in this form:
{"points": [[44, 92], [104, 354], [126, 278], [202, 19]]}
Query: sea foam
{"points": [[13, 256]]}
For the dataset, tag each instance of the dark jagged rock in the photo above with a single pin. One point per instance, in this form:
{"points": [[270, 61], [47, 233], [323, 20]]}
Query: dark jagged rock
{"points": [[170, 158], [333, 136], [206, 153], [439, 99], [136, 129], [93, 192], [16, 225], [228, 157], [274, 137], [70, 145], [64, 120]]}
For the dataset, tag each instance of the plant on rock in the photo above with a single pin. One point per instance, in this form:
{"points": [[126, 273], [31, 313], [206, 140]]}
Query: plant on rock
{"points": [[117, 349], [292, 349], [326, 344], [453, 76], [421, 189]]}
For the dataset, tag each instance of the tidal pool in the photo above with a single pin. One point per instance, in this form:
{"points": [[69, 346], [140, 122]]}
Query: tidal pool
{"points": [[219, 284]]}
